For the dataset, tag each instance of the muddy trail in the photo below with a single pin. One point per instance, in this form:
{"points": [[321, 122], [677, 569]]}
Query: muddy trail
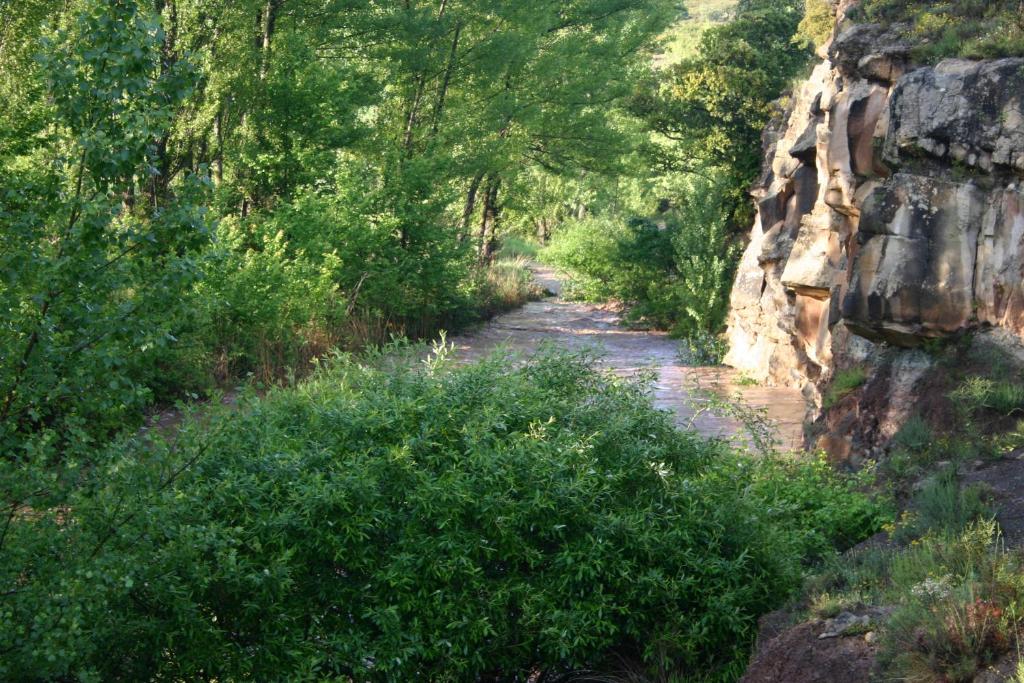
{"points": [[679, 388]]}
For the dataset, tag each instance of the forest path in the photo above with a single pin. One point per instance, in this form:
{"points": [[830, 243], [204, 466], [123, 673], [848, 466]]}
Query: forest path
{"points": [[574, 325]]}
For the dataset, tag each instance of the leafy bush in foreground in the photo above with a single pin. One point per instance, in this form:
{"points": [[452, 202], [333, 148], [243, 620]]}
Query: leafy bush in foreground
{"points": [[397, 521]]}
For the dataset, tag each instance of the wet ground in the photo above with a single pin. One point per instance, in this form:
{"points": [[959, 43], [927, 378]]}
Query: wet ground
{"points": [[678, 388]]}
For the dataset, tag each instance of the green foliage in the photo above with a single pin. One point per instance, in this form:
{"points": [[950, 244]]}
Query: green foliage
{"points": [[512, 247], [978, 394], [263, 310], [942, 505], [957, 598], [712, 108], [705, 261], [91, 282], [340, 138], [844, 382], [697, 16], [422, 521], [977, 29], [818, 22], [703, 349], [674, 271], [589, 250]]}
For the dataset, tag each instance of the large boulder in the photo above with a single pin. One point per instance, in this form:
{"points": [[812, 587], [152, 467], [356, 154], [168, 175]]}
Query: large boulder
{"points": [[963, 112], [913, 275]]}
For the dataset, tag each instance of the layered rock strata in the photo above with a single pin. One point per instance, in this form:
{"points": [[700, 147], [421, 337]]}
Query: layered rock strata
{"points": [[891, 213]]}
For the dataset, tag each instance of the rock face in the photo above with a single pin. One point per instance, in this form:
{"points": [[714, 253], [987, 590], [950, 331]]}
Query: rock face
{"points": [[890, 213]]}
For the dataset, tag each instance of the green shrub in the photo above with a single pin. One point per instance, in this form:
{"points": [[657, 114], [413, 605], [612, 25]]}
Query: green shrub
{"points": [[915, 435], [844, 382], [979, 393], [703, 349], [397, 521], [943, 505], [589, 251], [674, 273], [264, 308]]}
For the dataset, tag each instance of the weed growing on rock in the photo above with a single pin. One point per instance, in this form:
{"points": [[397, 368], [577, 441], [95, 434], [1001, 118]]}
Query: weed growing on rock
{"points": [[977, 29], [977, 394], [958, 613], [942, 505], [842, 384]]}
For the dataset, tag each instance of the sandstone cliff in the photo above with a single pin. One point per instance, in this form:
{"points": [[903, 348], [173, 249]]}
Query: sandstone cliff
{"points": [[890, 213]]}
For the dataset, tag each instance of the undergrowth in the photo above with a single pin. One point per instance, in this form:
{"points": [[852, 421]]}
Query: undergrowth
{"points": [[843, 384], [391, 519], [977, 29], [954, 591]]}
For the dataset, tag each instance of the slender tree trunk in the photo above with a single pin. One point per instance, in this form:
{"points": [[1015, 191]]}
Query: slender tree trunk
{"points": [[218, 131], [268, 23], [442, 92], [491, 214], [158, 184], [470, 207], [412, 115]]}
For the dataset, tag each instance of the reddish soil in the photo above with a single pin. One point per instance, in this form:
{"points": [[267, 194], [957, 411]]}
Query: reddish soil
{"points": [[797, 655]]}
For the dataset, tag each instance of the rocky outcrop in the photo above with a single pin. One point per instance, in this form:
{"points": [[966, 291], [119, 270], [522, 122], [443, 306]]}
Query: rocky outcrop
{"points": [[891, 213]]}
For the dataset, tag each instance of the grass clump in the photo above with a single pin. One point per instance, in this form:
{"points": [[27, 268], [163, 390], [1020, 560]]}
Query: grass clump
{"points": [[507, 284], [842, 384], [942, 504], [915, 435], [394, 520], [514, 246], [960, 610], [977, 29], [956, 598], [978, 394]]}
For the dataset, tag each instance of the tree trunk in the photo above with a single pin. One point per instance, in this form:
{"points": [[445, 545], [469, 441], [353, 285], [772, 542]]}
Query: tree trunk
{"points": [[442, 92], [470, 207], [269, 22], [412, 115], [218, 131], [489, 222], [159, 182]]}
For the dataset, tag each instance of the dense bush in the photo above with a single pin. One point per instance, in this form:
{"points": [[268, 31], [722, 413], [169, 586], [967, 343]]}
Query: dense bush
{"points": [[674, 271], [588, 251], [395, 522]]}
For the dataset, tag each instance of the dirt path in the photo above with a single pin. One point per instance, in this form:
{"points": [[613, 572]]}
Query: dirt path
{"points": [[574, 325]]}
